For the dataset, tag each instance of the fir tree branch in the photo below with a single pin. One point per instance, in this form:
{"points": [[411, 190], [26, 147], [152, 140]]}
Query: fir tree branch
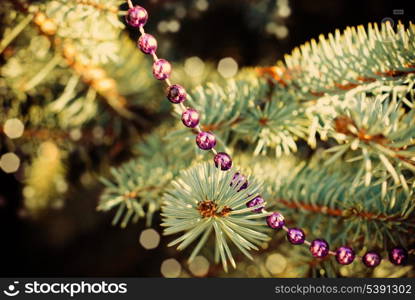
{"points": [[335, 201], [7, 39], [342, 124], [99, 6], [99, 81], [347, 61], [338, 212], [283, 75], [205, 200]]}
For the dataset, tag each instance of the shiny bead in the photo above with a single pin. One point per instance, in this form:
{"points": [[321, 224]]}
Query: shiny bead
{"points": [[205, 140], [275, 220], [239, 178], [371, 259], [147, 43], [161, 69], [190, 118], [176, 93], [398, 256], [345, 255], [136, 16], [223, 161], [296, 236], [319, 248], [258, 200]]}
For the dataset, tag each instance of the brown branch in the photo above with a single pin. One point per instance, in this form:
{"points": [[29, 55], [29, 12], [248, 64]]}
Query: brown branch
{"points": [[285, 77], [136, 192], [87, 137], [93, 76], [342, 125], [59, 135], [336, 212], [43, 134], [217, 126]]}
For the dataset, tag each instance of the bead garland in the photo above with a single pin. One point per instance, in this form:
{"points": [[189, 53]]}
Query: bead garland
{"points": [[137, 16]]}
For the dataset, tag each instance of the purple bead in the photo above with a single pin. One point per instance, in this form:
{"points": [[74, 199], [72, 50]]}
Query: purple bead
{"points": [[275, 220], [296, 236], [205, 140], [345, 255], [223, 160], [398, 256], [371, 259], [161, 69], [319, 248], [136, 16], [176, 93], [190, 118], [147, 43], [256, 201], [237, 179]]}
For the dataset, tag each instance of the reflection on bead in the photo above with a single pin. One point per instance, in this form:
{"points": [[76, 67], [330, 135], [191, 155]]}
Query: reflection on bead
{"points": [[239, 178], [345, 255], [319, 248], [223, 161], [371, 259], [147, 43], [161, 69], [275, 220], [258, 200], [136, 16], [176, 93], [190, 118], [398, 256], [296, 236], [205, 140]]}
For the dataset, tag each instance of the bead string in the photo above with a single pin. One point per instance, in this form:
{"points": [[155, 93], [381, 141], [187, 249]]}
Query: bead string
{"points": [[137, 17]]}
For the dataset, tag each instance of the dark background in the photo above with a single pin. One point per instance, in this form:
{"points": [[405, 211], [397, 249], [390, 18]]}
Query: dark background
{"points": [[77, 240]]}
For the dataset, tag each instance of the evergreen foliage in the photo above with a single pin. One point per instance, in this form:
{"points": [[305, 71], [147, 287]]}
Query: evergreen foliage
{"points": [[348, 99], [328, 134]]}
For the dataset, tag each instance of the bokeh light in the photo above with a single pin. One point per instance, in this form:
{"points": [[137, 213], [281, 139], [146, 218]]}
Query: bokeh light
{"points": [[174, 26], [276, 263], [199, 266], [227, 67], [252, 271], [49, 150], [284, 10], [13, 128], [281, 32], [28, 192], [171, 268], [194, 66], [162, 26], [149, 239], [98, 132], [202, 5], [180, 12], [61, 185], [9, 162], [168, 26], [75, 134]]}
